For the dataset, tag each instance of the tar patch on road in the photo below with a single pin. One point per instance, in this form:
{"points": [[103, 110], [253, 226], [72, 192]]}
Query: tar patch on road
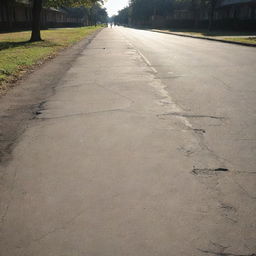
{"points": [[208, 171]]}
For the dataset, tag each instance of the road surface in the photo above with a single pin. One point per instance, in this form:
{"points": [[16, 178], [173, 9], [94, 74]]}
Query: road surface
{"points": [[139, 144]]}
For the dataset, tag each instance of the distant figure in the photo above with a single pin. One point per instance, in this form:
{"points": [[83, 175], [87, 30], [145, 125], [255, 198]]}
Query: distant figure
{"points": [[111, 24]]}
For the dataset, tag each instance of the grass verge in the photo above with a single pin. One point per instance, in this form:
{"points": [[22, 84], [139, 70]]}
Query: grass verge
{"points": [[235, 36], [18, 55], [247, 40]]}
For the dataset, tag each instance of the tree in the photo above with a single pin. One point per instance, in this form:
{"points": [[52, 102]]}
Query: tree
{"points": [[143, 11], [122, 18], [37, 9]]}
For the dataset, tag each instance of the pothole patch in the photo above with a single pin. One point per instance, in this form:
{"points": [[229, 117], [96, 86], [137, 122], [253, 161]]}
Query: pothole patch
{"points": [[39, 109], [227, 207], [199, 131], [38, 113]]}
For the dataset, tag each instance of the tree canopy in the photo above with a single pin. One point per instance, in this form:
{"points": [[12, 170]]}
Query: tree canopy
{"points": [[38, 5], [142, 11], [69, 3]]}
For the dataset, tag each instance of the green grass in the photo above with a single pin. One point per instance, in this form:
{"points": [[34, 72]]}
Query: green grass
{"points": [[214, 33], [18, 55], [236, 36], [248, 40]]}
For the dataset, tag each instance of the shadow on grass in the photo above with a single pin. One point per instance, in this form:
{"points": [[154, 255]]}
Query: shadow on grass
{"points": [[27, 44], [6, 45]]}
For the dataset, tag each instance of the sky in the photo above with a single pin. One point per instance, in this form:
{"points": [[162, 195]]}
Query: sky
{"points": [[113, 6]]}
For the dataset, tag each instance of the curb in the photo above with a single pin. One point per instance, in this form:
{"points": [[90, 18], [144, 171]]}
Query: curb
{"points": [[204, 38]]}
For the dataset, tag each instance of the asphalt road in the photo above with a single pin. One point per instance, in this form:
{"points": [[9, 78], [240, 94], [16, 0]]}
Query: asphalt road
{"points": [[141, 144]]}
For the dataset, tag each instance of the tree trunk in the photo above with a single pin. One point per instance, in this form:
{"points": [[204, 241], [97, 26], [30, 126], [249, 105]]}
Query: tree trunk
{"points": [[36, 20]]}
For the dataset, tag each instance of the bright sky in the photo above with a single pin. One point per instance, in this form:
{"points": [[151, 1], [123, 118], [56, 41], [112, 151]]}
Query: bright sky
{"points": [[113, 6]]}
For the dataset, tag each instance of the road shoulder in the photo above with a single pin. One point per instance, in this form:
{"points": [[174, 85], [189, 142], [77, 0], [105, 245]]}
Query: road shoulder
{"points": [[25, 100]]}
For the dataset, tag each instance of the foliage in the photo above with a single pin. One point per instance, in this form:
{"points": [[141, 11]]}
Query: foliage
{"points": [[144, 10], [70, 3], [122, 17], [37, 9]]}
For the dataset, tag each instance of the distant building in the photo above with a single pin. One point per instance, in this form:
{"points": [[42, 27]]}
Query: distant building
{"points": [[228, 14], [240, 9], [17, 15], [240, 14]]}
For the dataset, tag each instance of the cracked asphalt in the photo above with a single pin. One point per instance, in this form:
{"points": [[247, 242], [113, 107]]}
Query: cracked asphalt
{"points": [[131, 143]]}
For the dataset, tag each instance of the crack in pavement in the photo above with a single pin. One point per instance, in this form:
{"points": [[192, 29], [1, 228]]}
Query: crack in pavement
{"points": [[227, 86], [4, 215], [65, 225], [208, 171], [192, 115], [83, 114], [225, 253], [40, 107], [114, 91], [56, 229], [243, 189]]}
